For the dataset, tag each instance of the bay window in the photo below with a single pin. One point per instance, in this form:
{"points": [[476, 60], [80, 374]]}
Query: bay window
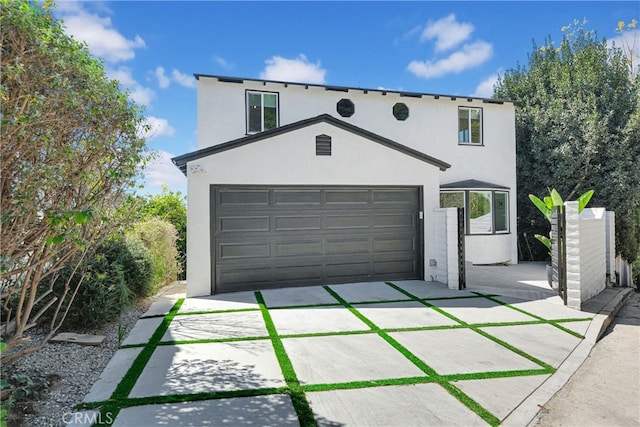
{"points": [[486, 210]]}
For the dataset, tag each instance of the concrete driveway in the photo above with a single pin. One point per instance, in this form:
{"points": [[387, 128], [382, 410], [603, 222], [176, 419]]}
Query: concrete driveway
{"points": [[369, 354]]}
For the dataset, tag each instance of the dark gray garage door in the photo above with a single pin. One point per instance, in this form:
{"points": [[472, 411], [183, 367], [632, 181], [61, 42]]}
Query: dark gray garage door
{"points": [[297, 236]]}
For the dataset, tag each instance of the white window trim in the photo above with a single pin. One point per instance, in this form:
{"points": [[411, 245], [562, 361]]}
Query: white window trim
{"points": [[467, 219], [262, 94], [481, 142]]}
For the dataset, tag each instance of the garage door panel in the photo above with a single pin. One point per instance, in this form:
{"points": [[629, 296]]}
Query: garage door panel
{"points": [[244, 224], [344, 246], [296, 198], [398, 267], [395, 197], [312, 235], [349, 271], [229, 251], [236, 198], [299, 273], [336, 222], [347, 198], [296, 249], [395, 244], [295, 223], [403, 220], [258, 276]]}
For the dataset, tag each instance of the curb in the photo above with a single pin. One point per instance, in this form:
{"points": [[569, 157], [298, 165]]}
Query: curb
{"points": [[525, 413]]}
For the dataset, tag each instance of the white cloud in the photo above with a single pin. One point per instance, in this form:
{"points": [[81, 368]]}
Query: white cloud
{"points": [[485, 88], [470, 56], [161, 171], [138, 93], [163, 80], [156, 127], [447, 31], [222, 62], [183, 79], [142, 95], [103, 40], [293, 70]]}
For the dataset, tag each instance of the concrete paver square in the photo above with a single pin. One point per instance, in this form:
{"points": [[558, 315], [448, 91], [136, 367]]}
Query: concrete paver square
{"points": [[423, 289], [461, 351], [291, 321], [271, 410], [410, 314], [216, 325], [229, 301], [308, 295], [480, 310], [546, 309], [545, 342], [160, 307], [345, 358], [374, 291], [407, 405], [580, 327], [142, 331], [112, 374], [200, 368], [500, 396]]}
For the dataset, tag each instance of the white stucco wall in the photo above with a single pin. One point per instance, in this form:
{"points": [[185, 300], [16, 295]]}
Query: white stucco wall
{"points": [[432, 127], [586, 247], [290, 159], [446, 248]]}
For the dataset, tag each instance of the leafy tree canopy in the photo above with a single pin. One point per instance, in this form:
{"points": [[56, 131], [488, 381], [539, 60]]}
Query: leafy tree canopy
{"points": [[70, 152], [577, 128]]}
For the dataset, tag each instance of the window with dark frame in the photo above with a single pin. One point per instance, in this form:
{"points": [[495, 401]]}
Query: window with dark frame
{"points": [[345, 107], [470, 125], [400, 111], [262, 111], [486, 211]]}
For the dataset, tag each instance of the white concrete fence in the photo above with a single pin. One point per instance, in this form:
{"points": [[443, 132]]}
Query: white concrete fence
{"points": [[590, 252], [446, 243]]}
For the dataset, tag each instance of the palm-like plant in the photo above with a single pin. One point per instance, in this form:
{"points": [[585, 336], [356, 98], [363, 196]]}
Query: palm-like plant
{"points": [[547, 204]]}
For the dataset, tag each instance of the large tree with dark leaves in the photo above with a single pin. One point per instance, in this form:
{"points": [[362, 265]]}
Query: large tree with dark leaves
{"points": [[577, 128]]}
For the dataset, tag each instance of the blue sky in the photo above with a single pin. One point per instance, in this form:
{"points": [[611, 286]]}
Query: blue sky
{"points": [[459, 48]]}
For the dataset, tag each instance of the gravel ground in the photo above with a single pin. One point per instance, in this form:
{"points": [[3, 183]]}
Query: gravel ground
{"points": [[71, 370]]}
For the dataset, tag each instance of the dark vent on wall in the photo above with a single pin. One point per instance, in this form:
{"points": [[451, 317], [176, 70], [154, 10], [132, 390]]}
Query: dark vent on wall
{"points": [[323, 145]]}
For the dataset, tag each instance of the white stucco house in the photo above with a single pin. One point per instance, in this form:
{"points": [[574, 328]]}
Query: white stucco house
{"points": [[299, 184]]}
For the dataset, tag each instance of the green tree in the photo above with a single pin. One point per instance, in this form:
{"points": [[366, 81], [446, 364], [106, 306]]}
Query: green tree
{"points": [[577, 128], [171, 207], [70, 152]]}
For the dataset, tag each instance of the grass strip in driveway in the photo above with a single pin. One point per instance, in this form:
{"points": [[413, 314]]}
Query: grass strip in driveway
{"points": [[109, 410], [298, 398], [476, 329], [432, 375], [554, 322]]}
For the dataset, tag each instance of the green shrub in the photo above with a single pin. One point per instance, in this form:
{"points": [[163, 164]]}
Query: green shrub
{"points": [[105, 289], [137, 264], [159, 237]]}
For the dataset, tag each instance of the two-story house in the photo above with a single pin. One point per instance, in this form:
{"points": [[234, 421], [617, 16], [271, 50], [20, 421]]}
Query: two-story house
{"points": [[299, 184]]}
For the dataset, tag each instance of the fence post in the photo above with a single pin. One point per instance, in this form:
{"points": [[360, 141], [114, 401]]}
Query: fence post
{"points": [[559, 251], [462, 278]]}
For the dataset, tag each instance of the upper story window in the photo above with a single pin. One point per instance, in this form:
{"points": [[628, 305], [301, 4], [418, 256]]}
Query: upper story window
{"points": [[345, 107], [262, 111], [400, 111], [469, 125]]}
